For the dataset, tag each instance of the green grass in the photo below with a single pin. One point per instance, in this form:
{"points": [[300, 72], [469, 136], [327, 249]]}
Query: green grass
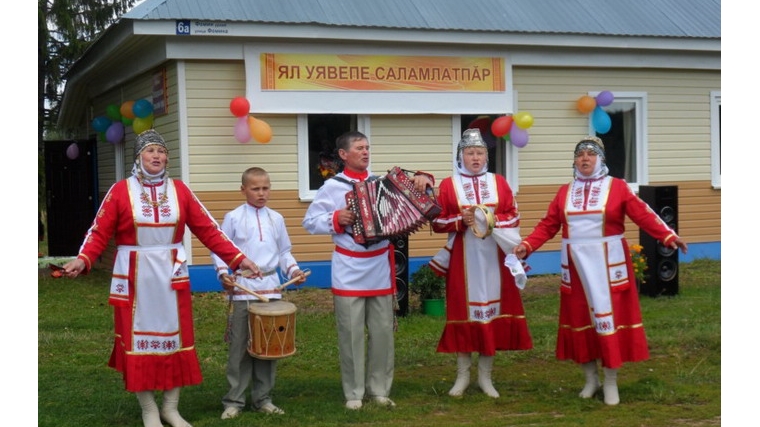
{"points": [[678, 386]]}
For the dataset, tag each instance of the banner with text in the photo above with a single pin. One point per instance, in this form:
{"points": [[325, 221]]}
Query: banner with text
{"points": [[381, 73]]}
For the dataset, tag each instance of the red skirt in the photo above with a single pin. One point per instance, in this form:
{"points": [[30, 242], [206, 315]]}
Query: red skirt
{"points": [[577, 339]]}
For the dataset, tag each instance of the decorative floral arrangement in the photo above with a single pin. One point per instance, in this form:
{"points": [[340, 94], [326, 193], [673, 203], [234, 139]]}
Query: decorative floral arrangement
{"points": [[639, 263]]}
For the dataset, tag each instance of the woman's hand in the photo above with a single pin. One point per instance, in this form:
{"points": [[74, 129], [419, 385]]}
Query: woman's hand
{"points": [[468, 217], [73, 268], [521, 251]]}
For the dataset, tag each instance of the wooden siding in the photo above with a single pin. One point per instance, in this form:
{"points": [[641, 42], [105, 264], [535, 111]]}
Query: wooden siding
{"points": [[678, 135], [678, 105], [216, 158]]}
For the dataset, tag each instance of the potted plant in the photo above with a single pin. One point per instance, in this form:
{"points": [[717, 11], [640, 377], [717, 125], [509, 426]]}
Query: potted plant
{"points": [[431, 288]]}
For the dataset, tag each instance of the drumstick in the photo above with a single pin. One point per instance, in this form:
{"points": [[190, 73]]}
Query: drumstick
{"points": [[306, 273], [243, 288]]}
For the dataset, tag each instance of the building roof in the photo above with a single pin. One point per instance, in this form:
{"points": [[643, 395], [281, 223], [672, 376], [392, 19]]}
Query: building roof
{"points": [[656, 18], [654, 33]]}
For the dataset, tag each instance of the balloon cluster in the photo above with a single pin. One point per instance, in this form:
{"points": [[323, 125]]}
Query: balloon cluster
{"points": [[513, 128], [247, 126], [138, 114], [599, 118]]}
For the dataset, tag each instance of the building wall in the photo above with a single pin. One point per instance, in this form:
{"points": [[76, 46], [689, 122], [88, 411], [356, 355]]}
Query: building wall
{"points": [[678, 130]]}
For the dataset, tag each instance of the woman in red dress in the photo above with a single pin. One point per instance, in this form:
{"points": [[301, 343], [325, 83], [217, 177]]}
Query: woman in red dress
{"points": [[147, 213], [599, 314], [484, 311]]}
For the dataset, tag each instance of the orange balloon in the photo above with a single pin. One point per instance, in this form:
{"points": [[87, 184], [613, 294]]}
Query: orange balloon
{"points": [[260, 130], [126, 109], [586, 104]]}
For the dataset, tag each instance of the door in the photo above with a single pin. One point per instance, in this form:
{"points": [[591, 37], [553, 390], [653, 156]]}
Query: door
{"points": [[72, 201]]}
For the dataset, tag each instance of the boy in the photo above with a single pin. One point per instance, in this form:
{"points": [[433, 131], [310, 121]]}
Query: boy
{"points": [[260, 232]]}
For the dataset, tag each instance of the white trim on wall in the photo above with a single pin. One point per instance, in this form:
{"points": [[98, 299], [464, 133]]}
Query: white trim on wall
{"points": [[715, 138]]}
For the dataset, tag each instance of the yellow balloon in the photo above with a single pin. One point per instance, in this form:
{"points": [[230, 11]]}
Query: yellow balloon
{"points": [[141, 124], [260, 130], [523, 120]]}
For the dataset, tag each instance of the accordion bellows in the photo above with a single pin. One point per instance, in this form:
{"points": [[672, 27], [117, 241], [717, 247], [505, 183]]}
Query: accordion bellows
{"points": [[388, 207]]}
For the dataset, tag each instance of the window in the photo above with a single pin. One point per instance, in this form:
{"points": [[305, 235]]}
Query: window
{"points": [[316, 142], [502, 155], [715, 138], [625, 142]]}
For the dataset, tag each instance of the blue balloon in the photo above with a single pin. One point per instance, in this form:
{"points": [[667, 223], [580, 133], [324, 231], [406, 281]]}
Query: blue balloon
{"points": [[601, 120], [101, 123], [142, 108]]}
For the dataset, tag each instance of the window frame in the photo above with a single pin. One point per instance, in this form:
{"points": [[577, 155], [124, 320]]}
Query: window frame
{"points": [[305, 194], [715, 115], [639, 99]]}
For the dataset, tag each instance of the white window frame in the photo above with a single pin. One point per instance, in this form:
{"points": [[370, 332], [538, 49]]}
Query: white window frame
{"points": [[305, 194], [715, 138], [639, 99]]}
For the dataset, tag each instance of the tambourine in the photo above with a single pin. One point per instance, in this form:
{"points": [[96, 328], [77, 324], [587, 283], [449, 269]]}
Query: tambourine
{"points": [[484, 221]]}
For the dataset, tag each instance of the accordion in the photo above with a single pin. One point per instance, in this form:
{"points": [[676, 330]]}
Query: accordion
{"points": [[388, 207]]}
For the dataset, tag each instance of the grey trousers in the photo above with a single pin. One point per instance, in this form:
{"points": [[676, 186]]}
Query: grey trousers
{"points": [[375, 375], [242, 368]]}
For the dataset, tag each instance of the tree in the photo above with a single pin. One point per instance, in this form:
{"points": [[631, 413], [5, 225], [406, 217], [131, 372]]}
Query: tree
{"points": [[65, 30]]}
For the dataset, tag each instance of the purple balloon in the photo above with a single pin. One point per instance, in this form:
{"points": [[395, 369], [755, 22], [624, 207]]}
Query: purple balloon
{"points": [[518, 136], [604, 98], [115, 132], [72, 152]]}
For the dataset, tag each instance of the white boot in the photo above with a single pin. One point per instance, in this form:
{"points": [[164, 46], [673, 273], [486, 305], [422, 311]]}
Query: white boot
{"points": [[464, 361], [169, 411], [592, 380], [611, 396], [485, 366], [150, 415]]}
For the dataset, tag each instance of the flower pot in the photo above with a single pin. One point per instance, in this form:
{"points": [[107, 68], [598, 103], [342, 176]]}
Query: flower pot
{"points": [[434, 307]]}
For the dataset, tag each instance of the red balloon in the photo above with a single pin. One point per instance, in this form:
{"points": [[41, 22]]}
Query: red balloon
{"points": [[501, 126], [239, 106]]}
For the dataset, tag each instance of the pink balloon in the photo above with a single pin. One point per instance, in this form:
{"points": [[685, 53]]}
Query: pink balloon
{"points": [[518, 136], [242, 130], [72, 152]]}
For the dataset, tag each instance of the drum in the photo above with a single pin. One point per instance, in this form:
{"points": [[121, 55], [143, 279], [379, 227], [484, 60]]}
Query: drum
{"points": [[272, 327]]}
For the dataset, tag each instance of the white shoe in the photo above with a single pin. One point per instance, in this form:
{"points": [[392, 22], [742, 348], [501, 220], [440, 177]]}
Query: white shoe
{"points": [[354, 404], [269, 408], [231, 412], [384, 401]]}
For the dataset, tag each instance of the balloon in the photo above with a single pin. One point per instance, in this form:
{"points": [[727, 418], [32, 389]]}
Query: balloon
{"points": [[601, 120], [72, 152], [239, 106], [501, 126], [260, 130], [242, 130], [605, 98], [126, 121], [523, 120], [102, 137], [141, 124], [115, 132], [112, 112], [127, 111], [586, 104], [519, 136], [101, 123], [142, 108]]}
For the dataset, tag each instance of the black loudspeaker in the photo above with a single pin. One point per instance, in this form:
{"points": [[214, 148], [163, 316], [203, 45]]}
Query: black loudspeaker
{"points": [[401, 257], [662, 261]]}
